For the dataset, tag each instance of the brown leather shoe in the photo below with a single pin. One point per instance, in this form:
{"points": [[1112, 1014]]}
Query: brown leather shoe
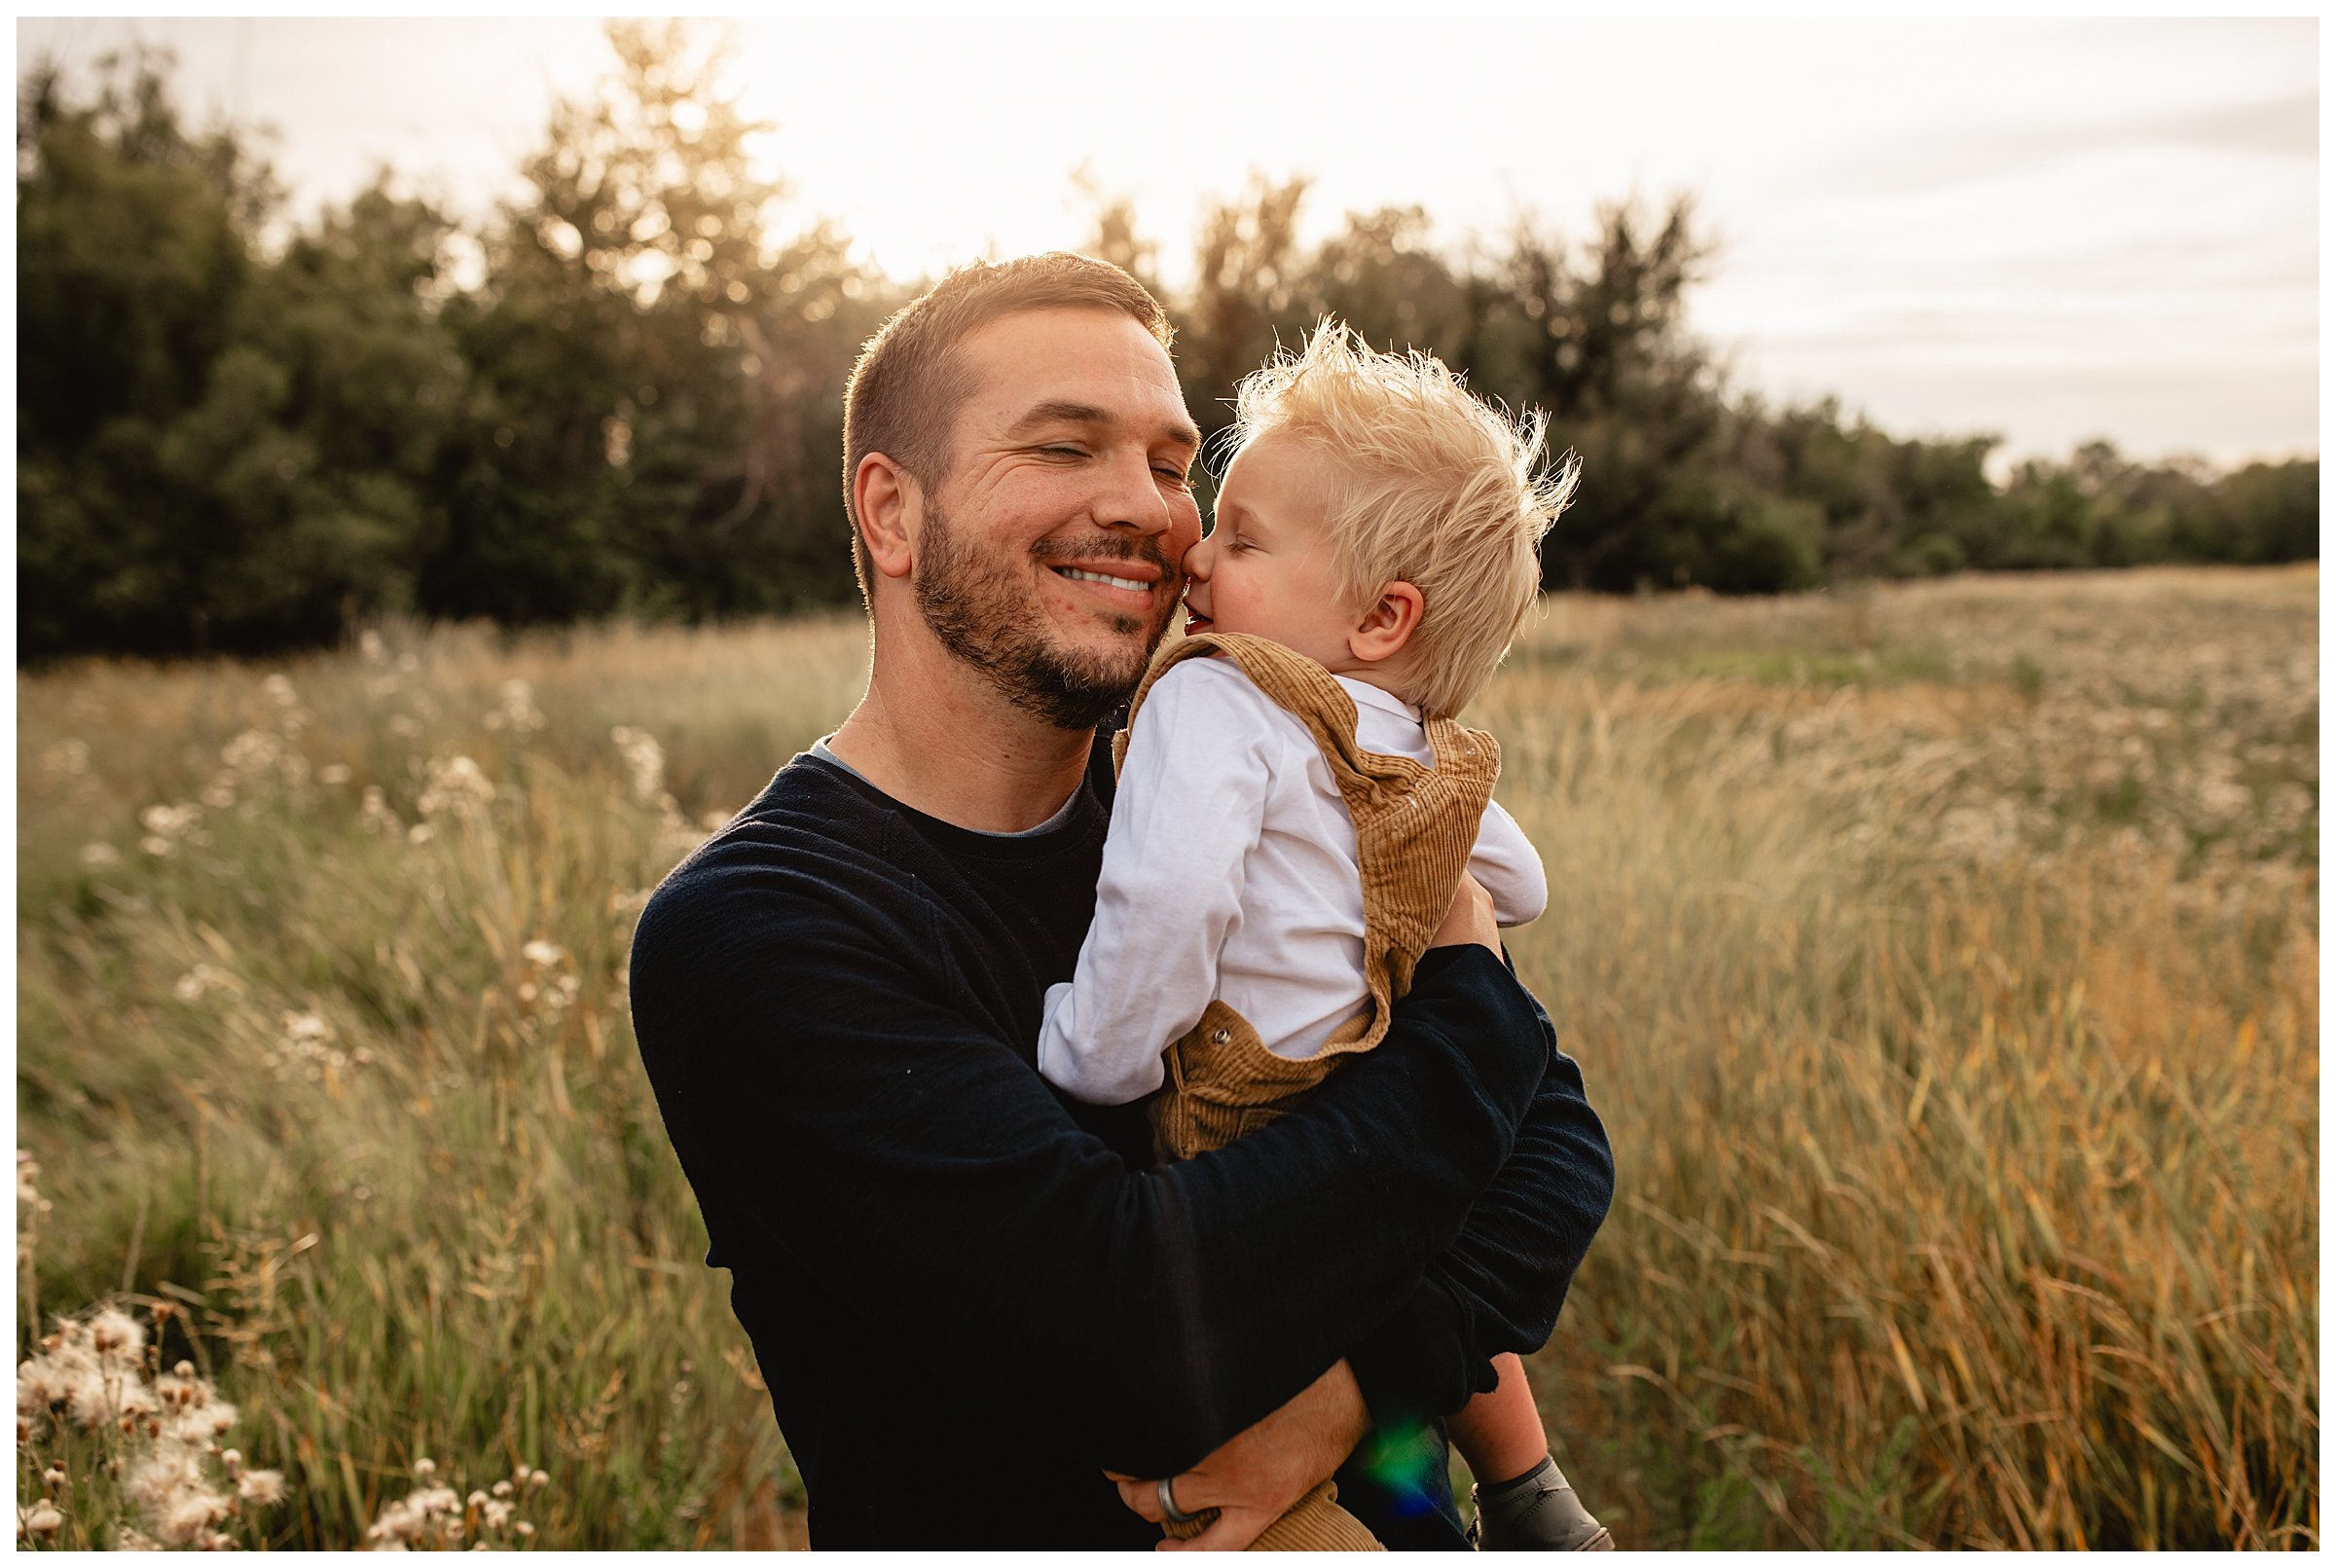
{"points": [[1538, 1511]]}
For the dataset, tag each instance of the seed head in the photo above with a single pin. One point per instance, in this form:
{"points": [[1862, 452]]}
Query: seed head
{"points": [[115, 1336]]}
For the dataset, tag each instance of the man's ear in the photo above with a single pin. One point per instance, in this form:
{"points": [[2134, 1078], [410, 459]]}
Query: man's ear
{"points": [[885, 498], [1389, 625]]}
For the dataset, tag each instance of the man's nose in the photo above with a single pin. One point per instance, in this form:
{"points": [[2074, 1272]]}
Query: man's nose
{"points": [[1134, 501]]}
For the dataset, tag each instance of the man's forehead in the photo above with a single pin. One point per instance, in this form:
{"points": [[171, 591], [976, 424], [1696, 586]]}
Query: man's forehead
{"points": [[1074, 365]]}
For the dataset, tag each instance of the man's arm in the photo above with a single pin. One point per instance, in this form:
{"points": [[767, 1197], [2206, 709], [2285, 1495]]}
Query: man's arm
{"points": [[825, 1107], [1501, 1283]]}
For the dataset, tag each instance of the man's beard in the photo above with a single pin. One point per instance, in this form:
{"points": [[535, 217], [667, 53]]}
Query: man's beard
{"points": [[984, 611]]}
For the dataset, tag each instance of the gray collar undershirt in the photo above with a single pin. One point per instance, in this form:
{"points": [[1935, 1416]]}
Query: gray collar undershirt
{"points": [[821, 749]]}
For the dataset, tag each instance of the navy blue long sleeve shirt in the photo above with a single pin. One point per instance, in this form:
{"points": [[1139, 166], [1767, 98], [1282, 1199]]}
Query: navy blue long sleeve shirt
{"points": [[837, 1000]]}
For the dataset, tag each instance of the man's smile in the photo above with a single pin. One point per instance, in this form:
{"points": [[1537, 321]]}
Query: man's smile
{"points": [[1125, 585], [1131, 584]]}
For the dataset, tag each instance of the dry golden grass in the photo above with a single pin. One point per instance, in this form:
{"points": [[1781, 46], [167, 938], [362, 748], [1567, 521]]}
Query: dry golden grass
{"points": [[1944, 959]]}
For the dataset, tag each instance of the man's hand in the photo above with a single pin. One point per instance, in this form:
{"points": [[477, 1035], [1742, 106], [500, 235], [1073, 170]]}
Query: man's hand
{"points": [[1257, 1475], [1470, 919]]}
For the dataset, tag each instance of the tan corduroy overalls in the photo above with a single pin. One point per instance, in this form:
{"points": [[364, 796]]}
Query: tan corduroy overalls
{"points": [[1414, 829]]}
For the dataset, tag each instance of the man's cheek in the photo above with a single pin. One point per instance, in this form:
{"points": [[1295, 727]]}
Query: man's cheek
{"points": [[1185, 532]]}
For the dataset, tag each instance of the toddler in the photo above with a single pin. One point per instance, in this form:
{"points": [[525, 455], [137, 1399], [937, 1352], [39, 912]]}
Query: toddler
{"points": [[1297, 803]]}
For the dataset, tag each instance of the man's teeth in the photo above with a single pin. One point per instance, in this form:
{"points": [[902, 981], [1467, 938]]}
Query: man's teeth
{"points": [[1133, 585]]}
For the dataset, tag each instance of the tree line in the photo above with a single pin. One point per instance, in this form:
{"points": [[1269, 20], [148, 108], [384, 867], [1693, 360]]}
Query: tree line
{"points": [[619, 395]]}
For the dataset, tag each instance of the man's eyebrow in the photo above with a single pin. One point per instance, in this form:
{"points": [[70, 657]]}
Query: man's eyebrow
{"points": [[1060, 411]]}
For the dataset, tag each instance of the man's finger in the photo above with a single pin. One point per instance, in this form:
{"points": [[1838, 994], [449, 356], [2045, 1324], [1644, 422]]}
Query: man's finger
{"points": [[1143, 1497]]}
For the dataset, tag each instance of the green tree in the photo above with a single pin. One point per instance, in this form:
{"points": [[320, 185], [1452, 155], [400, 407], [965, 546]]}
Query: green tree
{"points": [[658, 381], [216, 449], [1248, 294]]}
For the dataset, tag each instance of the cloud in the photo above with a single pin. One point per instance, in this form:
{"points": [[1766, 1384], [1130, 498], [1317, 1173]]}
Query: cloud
{"points": [[2287, 126]]}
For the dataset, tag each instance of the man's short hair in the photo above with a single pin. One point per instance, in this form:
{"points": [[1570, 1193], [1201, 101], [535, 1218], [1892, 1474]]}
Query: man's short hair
{"points": [[909, 382], [1433, 488]]}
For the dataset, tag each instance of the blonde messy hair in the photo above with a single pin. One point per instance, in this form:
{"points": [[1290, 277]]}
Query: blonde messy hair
{"points": [[1433, 488]]}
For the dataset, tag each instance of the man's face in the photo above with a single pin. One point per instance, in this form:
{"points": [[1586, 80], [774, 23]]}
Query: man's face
{"points": [[1047, 555]]}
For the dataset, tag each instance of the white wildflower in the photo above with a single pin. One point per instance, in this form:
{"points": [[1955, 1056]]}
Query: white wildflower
{"points": [[206, 1424], [375, 815], [261, 1488], [41, 1519], [517, 711], [643, 758], [458, 786], [257, 756], [171, 822], [199, 982], [100, 856], [186, 1520], [157, 1479], [542, 954], [115, 1336], [43, 1382]]}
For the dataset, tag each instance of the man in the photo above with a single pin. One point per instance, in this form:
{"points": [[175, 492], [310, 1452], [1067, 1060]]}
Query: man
{"points": [[970, 1298]]}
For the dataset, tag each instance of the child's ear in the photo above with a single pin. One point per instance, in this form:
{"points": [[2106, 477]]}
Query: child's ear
{"points": [[1383, 632]]}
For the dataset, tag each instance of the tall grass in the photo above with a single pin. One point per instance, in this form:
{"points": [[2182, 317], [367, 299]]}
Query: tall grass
{"points": [[1944, 961]]}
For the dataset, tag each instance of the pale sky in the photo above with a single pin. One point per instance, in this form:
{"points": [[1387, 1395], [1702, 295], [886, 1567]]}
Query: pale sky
{"points": [[2053, 229]]}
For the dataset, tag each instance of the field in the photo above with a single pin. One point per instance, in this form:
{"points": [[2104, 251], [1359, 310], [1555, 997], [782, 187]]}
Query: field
{"points": [[1942, 957]]}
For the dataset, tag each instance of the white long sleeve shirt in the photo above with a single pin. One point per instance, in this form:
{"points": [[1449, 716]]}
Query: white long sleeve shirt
{"points": [[1230, 872]]}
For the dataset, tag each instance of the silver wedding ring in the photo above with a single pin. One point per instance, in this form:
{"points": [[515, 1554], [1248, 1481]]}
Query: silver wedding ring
{"points": [[1175, 1514]]}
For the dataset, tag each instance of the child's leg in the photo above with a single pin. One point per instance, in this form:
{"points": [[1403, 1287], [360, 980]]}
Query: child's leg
{"points": [[1523, 1500], [1499, 1434]]}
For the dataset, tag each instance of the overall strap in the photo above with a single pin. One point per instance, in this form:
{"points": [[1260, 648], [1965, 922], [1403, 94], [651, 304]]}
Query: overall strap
{"points": [[1415, 825]]}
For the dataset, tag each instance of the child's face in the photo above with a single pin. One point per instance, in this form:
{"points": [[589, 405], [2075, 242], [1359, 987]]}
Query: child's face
{"points": [[1265, 567]]}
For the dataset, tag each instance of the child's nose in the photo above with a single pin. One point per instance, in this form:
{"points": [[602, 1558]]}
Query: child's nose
{"points": [[1197, 559]]}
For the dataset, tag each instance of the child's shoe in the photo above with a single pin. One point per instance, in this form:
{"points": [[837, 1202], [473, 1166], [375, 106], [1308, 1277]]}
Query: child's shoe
{"points": [[1538, 1511]]}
